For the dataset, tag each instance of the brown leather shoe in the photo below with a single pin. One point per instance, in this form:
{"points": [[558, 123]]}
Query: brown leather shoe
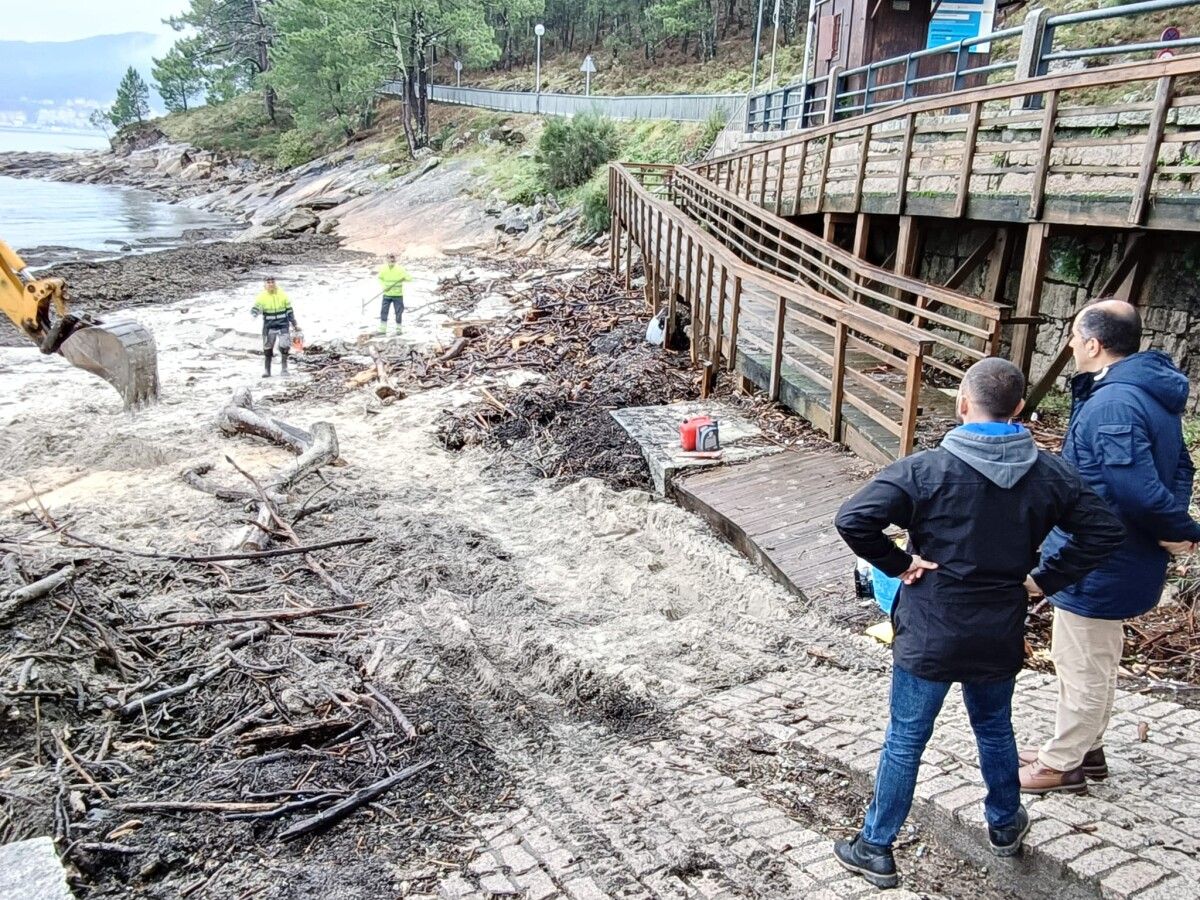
{"points": [[1039, 779], [1095, 766]]}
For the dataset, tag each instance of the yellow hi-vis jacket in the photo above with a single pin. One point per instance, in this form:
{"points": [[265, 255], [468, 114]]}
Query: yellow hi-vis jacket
{"points": [[392, 278], [276, 309]]}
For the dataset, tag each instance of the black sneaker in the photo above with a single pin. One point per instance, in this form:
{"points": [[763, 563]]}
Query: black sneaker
{"points": [[873, 863], [1006, 841]]}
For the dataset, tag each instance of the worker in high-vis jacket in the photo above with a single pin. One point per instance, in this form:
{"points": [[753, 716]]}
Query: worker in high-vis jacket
{"points": [[278, 321], [392, 277]]}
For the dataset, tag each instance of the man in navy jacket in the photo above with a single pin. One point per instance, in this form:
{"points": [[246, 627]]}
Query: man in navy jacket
{"points": [[1125, 439], [976, 509]]}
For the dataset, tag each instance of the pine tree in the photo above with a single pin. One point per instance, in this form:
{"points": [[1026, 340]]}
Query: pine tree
{"points": [[177, 76], [133, 100]]}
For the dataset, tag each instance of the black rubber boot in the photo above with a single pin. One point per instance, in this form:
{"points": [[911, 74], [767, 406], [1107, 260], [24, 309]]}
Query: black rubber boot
{"points": [[1007, 841], [267, 366], [283, 361], [875, 864]]}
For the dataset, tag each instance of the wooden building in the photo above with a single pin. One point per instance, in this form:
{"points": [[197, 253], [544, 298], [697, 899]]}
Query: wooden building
{"points": [[852, 33]]}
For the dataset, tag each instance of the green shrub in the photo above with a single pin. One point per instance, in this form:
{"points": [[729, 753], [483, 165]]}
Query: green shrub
{"points": [[570, 150], [709, 132], [596, 215], [294, 149]]}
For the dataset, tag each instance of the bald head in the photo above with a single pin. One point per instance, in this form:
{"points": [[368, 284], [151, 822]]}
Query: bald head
{"points": [[993, 390], [1104, 332]]}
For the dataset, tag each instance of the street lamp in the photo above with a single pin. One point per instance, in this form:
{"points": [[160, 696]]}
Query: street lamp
{"points": [[539, 29], [757, 38]]}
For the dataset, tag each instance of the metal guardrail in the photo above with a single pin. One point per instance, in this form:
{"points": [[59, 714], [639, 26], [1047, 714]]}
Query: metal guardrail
{"points": [[680, 107], [1029, 50]]}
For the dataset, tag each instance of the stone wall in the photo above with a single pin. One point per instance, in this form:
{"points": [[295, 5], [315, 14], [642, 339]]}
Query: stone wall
{"points": [[1078, 266]]}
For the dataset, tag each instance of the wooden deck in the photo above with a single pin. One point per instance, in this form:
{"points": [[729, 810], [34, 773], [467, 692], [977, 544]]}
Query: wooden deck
{"points": [[778, 510]]}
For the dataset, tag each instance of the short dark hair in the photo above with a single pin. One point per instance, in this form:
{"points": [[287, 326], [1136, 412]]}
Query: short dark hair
{"points": [[1117, 328], [995, 385]]}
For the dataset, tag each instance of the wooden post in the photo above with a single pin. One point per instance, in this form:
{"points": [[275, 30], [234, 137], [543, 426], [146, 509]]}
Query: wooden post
{"points": [[672, 278], [824, 175], [829, 229], [777, 352], [762, 181], [860, 176], [998, 265], [910, 125], [780, 178], [706, 313], [628, 244], [734, 317], [838, 383], [968, 161], [800, 178], [1033, 267], [1154, 136], [1037, 189], [908, 247], [695, 348], [912, 403], [862, 238], [715, 355], [749, 176]]}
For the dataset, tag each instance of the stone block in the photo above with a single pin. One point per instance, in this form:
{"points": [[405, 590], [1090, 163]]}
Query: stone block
{"points": [[1129, 879], [1069, 846], [1171, 889], [32, 871], [517, 860], [584, 889], [1098, 861]]}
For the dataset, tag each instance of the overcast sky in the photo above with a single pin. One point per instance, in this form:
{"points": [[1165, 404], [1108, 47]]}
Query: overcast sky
{"points": [[67, 20]]}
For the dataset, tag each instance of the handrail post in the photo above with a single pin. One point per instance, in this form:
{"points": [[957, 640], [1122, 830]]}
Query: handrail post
{"points": [[837, 383], [912, 402], [831, 91], [960, 66], [734, 315], [1029, 56], [777, 352]]}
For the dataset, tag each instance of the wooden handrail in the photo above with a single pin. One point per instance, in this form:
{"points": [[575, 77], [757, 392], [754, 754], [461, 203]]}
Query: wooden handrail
{"points": [[1099, 77], [712, 275]]}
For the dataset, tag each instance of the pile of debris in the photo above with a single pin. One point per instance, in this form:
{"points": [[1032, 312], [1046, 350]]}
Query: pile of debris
{"points": [[182, 721]]}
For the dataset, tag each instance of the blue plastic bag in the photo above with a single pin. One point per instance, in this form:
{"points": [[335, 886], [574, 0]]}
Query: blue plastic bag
{"points": [[886, 589]]}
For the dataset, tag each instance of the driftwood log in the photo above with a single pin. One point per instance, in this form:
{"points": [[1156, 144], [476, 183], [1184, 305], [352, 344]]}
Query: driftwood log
{"points": [[240, 417], [385, 390], [36, 589]]}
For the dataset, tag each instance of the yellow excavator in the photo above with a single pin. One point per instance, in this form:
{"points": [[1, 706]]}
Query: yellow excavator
{"points": [[121, 352]]}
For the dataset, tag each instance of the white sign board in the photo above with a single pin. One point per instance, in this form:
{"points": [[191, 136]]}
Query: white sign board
{"points": [[962, 20], [589, 65]]}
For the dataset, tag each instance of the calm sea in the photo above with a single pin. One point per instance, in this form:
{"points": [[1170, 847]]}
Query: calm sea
{"points": [[87, 216]]}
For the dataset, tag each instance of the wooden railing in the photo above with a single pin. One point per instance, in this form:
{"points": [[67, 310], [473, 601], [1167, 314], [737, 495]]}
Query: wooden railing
{"points": [[1017, 152], [962, 329], [736, 309]]}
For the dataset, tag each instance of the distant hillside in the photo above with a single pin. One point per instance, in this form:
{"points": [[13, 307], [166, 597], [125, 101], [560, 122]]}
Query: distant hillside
{"points": [[41, 73]]}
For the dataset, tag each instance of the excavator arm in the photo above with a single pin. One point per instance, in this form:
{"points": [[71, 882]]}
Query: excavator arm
{"points": [[119, 351]]}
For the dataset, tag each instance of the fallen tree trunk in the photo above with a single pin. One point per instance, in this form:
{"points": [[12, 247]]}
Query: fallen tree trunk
{"points": [[240, 417]]}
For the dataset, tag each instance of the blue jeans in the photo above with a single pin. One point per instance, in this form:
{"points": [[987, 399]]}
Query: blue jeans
{"points": [[915, 705], [396, 304]]}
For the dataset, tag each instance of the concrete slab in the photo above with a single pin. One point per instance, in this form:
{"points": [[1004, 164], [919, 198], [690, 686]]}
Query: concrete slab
{"points": [[32, 872], [656, 430]]}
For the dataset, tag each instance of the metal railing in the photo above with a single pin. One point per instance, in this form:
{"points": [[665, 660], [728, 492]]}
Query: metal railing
{"points": [[1022, 52], [679, 107]]}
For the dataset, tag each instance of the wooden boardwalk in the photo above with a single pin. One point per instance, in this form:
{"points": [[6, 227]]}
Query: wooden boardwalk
{"points": [[778, 510]]}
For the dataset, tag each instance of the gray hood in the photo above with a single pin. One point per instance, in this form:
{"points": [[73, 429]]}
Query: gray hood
{"points": [[1002, 459]]}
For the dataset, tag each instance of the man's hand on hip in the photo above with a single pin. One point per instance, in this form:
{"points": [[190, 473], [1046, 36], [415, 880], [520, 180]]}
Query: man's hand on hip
{"points": [[1178, 548], [1031, 587], [918, 568]]}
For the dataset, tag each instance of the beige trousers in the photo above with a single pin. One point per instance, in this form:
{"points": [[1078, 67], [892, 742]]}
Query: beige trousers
{"points": [[1086, 654]]}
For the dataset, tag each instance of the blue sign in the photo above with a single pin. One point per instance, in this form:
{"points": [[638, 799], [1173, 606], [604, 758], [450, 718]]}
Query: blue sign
{"points": [[962, 20]]}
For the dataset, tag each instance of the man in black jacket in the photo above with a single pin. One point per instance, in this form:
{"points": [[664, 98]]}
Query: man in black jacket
{"points": [[976, 510]]}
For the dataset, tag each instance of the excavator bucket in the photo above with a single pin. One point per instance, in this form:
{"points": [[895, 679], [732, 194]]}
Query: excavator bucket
{"points": [[121, 352]]}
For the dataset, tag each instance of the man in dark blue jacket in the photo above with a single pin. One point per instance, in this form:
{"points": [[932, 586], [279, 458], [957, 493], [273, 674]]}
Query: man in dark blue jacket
{"points": [[1125, 439], [976, 510]]}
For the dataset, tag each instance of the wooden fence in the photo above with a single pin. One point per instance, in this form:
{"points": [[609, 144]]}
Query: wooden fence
{"points": [[1009, 152], [855, 371]]}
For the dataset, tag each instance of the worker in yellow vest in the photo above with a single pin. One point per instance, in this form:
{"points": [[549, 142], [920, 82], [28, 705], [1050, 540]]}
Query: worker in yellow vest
{"points": [[278, 321], [392, 277]]}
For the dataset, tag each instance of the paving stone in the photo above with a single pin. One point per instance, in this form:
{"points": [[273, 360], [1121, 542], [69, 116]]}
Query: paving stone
{"points": [[1069, 846], [584, 889], [1096, 862], [517, 860], [1176, 888], [453, 888], [1129, 879], [498, 885], [484, 863], [32, 871], [536, 884]]}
